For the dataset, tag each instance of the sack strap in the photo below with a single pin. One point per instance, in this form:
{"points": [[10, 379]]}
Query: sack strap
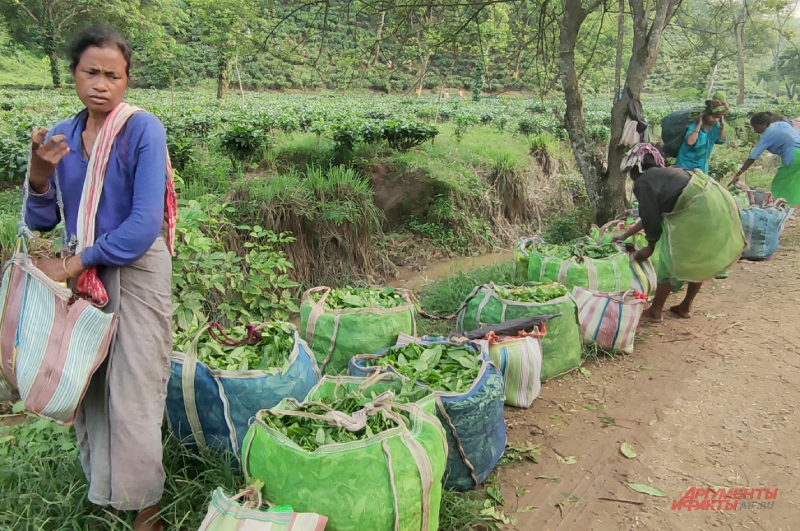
{"points": [[462, 453], [189, 400], [316, 312]]}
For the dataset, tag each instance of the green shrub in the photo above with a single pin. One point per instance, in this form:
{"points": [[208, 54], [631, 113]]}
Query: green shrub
{"points": [[212, 282]]}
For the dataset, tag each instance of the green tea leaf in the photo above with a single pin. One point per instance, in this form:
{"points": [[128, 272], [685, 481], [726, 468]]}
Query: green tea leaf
{"points": [[627, 450], [647, 489]]}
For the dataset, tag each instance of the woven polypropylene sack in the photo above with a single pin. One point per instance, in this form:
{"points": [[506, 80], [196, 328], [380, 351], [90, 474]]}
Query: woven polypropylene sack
{"points": [[225, 513], [561, 346], [209, 408], [673, 129], [390, 481], [336, 336], [609, 319], [521, 259], [338, 386], [762, 228], [473, 420], [49, 347], [520, 363], [703, 231], [604, 274]]}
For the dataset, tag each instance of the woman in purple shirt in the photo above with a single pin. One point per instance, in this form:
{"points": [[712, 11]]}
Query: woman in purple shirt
{"points": [[779, 138], [119, 420]]}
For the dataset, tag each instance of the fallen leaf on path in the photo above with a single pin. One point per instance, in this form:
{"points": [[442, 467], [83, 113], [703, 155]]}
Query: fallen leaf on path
{"points": [[585, 372], [494, 493], [521, 492], [647, 489], [569, 460], [607, 421], [569, 498], [652, 422], [528, 509], [549, 478], [627, 450], [515, 454]]}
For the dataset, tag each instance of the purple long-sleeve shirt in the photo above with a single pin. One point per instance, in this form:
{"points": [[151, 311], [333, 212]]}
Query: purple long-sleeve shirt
{"points": [[131, 208]]}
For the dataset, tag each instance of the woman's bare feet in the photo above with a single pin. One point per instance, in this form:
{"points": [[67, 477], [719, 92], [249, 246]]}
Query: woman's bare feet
{"points": [[650, 315], [148, 520], [681, 311]]}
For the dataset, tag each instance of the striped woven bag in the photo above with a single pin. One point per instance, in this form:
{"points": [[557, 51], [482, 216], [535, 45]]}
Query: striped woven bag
{"points": [[609, 319]]}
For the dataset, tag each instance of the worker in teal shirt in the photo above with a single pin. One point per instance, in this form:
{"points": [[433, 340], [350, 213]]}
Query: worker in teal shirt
{"points": [[701, 137]]}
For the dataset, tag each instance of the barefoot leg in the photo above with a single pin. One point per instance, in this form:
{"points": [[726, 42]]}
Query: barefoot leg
{"points": [[148, 520], [653, 313], [684, 309]]}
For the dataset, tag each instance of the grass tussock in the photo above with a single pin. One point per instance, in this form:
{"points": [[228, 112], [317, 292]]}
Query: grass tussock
{"points": [[444, 296], [331, 214]]}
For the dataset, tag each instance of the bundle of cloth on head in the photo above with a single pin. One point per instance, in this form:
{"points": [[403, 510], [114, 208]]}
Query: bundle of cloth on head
{"points": [[635, 157], [718, 104]]}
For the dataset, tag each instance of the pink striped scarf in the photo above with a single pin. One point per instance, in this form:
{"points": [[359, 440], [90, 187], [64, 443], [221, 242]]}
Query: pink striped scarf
{"points": [[88, 283]]}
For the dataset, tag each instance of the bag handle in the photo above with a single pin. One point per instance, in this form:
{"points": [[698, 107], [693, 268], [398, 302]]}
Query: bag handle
{"points": [[187, 383], [316, 312]]}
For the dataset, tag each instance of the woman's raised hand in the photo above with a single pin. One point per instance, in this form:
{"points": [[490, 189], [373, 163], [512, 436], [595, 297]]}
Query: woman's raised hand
{"points": [[44, 157]]}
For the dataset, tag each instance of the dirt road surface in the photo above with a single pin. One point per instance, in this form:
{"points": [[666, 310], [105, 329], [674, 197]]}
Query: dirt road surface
{"points": [[707, 402]]}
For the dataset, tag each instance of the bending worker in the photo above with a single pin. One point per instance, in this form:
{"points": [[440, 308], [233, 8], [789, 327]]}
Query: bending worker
{"points": [[692, 219], [780, 138]]}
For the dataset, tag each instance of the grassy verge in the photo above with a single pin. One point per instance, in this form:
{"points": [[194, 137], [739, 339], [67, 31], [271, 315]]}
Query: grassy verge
{"points": [[42, 487], [445, 295]]}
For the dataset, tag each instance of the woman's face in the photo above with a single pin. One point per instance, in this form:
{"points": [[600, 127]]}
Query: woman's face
{"points": [[101, 78], [712, 119], [759, 128]]}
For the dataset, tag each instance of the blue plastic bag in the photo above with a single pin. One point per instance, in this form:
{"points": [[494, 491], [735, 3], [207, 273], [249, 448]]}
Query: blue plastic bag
{"points": [[209, 408], [762, 228], [473, 421]]}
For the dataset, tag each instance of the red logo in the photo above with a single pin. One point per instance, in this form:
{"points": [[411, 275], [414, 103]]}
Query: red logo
{"points": [[725, 499]]}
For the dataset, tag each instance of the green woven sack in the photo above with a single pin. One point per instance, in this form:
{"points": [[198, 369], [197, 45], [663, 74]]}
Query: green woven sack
{"points": [[391, 481], [561, 345], [336, 336], [339, 386], [601, 274], [703, 235], [521, 259]]}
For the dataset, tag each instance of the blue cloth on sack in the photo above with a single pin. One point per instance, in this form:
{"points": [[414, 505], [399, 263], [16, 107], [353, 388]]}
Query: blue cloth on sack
{"points": [[762, 228], [131, 208], [780, 139], [696, 157], [476, 417], [227, 401]]}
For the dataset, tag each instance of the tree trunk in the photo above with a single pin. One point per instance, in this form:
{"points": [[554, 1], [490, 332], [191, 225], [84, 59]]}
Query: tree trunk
{"points": [[620, 44], [378, 36], [739, 30], [239, 78], [589, 164], [55, 71], [646, 39], [222, 78], [712, 79]]}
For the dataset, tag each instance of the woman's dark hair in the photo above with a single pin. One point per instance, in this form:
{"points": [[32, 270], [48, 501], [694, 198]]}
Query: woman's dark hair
{"points": [[648, 161], [764, 118], [99, 36]]}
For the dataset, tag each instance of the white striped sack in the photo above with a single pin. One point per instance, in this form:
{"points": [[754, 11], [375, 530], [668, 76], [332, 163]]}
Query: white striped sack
{"points": [[226, 514], [609, 319]]}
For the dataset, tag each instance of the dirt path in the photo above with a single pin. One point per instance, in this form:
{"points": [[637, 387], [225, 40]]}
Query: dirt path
{"points": [[723, 389]]}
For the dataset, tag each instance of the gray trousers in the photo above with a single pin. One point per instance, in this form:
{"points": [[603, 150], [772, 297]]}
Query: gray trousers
{"points": [[119, 420]]}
